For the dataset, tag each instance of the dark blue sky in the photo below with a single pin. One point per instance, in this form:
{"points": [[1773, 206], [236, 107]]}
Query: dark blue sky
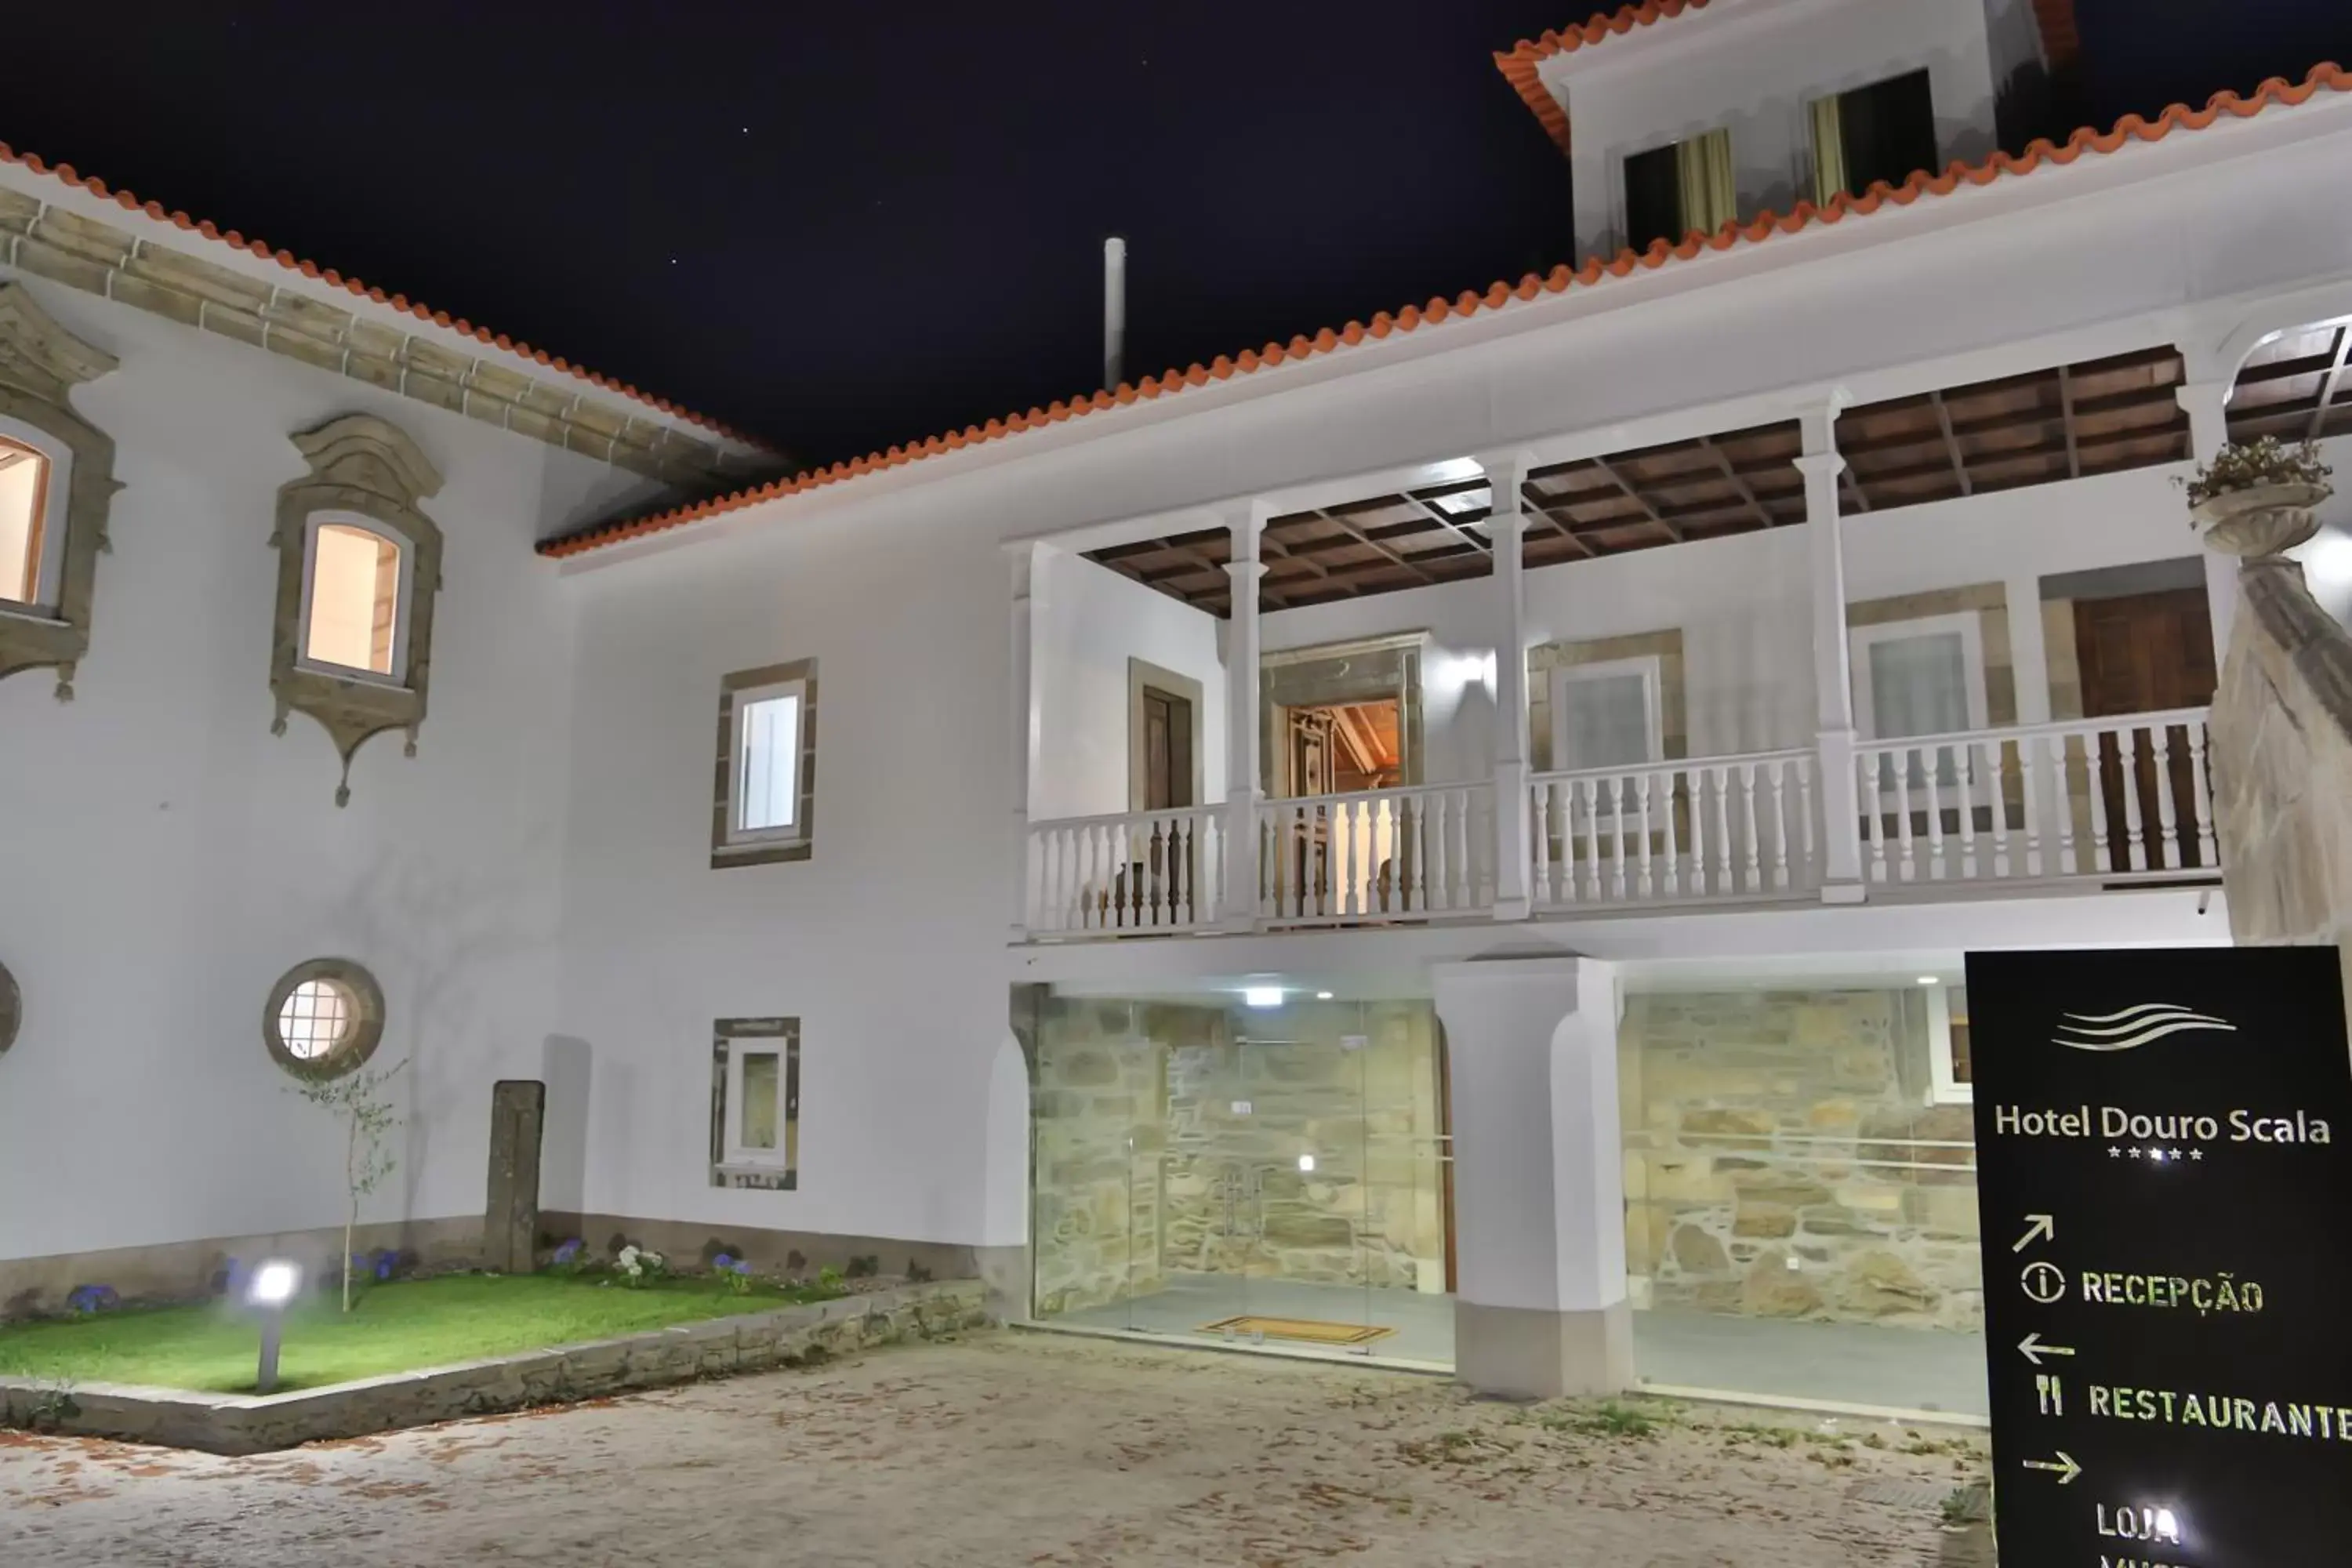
{"points": [[842, 225]]}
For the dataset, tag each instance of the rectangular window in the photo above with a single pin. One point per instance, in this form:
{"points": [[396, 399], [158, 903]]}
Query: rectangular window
{"points": [[353, 599], [1606, 715], [767, 764], [1948, 1041], [755, 1095], [1684, 186], [1883, 131], [1924, 676]]}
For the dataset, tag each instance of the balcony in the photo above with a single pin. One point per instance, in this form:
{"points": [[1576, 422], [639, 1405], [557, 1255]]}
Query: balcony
{"points": [[2023, 808]]}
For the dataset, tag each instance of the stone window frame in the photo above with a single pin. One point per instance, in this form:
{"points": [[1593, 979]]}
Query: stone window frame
{"points": [[12, 1009], [366, 467], [1650, 667], [1664, 645], [1976, 694], [360, 1041], [778, 1176], [1360, 669], [40, 365], [727, 848]]}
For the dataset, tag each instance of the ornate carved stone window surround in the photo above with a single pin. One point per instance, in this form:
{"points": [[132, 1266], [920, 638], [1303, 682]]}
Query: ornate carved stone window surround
{"points": [[324, 1017], [765, 804], [56, 481], [755, 1103], [359, 565], [12, 1008]]}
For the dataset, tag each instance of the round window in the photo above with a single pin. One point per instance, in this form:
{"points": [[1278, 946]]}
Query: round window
{"points": [[325, 1017], [12, 1008]]}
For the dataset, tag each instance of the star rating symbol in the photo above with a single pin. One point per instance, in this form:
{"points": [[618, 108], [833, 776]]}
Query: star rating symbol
{"points": [[2114, 1153], [2197, 1153], [2135, 1154], [2156, 1155], [2176, 1156]]}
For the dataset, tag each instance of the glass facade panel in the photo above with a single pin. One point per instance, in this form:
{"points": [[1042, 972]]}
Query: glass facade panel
{"points": [[1800, 1213], [1273, 1175]]}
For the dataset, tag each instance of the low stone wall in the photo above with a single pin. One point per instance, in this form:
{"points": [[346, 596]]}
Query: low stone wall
{"points": [[247, 1424]]}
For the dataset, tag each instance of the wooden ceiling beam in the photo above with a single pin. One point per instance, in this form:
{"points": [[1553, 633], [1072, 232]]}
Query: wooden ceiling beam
{"points": [[1951, 443], [1730, 471], [2328, 387], [1638, 498], [2067, 414], [1360, 537]]}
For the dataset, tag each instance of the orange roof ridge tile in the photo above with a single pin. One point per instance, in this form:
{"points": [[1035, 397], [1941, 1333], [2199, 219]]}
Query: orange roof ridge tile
{"points": [[1501, 295], [307, 268]]}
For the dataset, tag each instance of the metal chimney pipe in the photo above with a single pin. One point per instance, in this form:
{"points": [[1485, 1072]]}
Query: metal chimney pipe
{"points": [[1114, 311]]}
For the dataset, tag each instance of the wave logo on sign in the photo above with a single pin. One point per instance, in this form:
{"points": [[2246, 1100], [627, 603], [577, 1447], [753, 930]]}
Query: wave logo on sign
{"points": [[2134, 1027]]}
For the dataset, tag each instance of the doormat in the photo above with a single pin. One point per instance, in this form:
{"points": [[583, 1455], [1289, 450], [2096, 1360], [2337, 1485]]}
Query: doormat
{"points": [[1311, 1329]]}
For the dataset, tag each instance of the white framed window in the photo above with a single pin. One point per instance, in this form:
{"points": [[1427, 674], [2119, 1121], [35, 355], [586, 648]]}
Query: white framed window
{"points": [[1923, 676], [36, 472], [357, 579], [1608, 714], [764, 789], [1950, 1059], [755, 1103]]}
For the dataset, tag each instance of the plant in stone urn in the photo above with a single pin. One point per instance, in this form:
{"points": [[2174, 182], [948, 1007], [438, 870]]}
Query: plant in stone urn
{"points": [[2257, 498]]}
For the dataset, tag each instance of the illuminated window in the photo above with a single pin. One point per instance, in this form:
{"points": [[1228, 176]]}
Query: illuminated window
{"points": [[325, 1017], [767, 765], [32, 497], [354, 601], [1950, 1054]]}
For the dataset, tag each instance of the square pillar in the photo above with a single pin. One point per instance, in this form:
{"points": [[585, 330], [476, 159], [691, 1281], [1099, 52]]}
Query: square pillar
{"points": [[1245, 524], [1842, 880], [1540, 1309], [1506, 526], [1023, 561], [2206, 401]]}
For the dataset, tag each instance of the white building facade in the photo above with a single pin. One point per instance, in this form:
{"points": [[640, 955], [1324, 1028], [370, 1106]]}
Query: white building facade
{"points": [[1448, 840]]}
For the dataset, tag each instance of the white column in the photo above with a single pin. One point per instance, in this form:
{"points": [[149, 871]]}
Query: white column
{"points": [[1833, 679], [2207, 401], [1024, 561], [1540, 1306], [1245, 523], [1506, 526], [2029, 655]]}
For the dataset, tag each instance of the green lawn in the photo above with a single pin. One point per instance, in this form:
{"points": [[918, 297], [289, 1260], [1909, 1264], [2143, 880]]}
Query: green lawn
{"points": [[392, 1327]]}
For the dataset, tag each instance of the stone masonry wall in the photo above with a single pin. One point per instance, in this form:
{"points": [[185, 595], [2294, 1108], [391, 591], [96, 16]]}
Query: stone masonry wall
{"points": [[1775, 1166], [1099, 1133]]}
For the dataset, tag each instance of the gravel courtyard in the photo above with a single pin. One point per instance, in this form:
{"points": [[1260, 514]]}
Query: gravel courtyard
{"points": [[1022, 1449]]}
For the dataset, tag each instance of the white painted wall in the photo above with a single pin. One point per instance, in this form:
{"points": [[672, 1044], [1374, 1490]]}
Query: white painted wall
{"points": [[1085, 623], [1755, 66], [163, 858]]}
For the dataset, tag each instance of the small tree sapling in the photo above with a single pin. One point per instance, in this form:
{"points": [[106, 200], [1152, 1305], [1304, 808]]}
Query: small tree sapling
{"points": [[360, 1101]]}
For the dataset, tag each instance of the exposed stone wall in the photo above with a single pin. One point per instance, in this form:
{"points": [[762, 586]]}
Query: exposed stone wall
{"points": [[1766, 1127], [2282, 752], [245, 1424], [1168, 1141]]}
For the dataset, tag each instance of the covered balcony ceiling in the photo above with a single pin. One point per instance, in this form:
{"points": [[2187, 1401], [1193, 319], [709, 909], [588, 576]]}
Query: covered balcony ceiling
{"points": [[2295, 386], [2095, 417]]}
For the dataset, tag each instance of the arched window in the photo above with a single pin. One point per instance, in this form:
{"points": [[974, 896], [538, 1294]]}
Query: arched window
{"points": [[354, 601], [32, 497]]}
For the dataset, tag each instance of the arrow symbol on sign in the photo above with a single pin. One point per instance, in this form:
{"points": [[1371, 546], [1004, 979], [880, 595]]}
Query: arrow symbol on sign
{"points": [[2039, 1227], [2063, 1467], [2032, 1348]]}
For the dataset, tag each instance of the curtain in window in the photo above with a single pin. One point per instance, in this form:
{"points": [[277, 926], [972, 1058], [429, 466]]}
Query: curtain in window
{"points": [[1710, 197], [1829, 150], [1920, 686], [1604, 722]]}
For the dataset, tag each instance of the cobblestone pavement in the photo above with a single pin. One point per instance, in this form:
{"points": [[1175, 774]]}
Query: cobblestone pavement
{"points": [[1023, 1450]]}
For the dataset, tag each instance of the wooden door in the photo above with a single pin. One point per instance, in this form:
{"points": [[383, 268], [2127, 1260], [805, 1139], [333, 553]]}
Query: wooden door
{"points": [[2146, 653], [1163, 876]]}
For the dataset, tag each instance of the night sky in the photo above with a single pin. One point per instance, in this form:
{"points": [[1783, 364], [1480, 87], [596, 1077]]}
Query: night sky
{"points": [[841, 225]]}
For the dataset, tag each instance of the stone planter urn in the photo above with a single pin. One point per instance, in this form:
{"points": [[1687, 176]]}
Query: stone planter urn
{"points": [[2260, 519]]}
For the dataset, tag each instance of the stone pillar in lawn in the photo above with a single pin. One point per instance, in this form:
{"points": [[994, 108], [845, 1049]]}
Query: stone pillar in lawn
{"points": [[1541, 1307]]}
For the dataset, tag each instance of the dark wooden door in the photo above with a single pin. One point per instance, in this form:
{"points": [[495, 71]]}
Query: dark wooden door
{"points": [[2146, 653], [1163, 878], [1167, 751]]}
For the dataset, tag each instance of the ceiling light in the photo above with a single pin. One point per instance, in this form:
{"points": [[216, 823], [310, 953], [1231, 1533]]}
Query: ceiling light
{"points": [[1322, 995], [1261, 995], [1929, 980]]}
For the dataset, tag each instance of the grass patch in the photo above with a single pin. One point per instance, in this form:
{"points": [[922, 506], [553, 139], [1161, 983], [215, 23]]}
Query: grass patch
{"points": [[1609, 1419], [406, 1324]]}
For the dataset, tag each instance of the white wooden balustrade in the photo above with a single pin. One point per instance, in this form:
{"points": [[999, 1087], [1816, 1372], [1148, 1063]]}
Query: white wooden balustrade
{"points": [[1136, 872], [1716, 827], [2111, 799], [1393, 854]]}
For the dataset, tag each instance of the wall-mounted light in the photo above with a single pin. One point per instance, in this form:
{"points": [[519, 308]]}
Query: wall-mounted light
{"points": [[1930, 980], [1322, 995], [1261, 995], [1307, 1162]]}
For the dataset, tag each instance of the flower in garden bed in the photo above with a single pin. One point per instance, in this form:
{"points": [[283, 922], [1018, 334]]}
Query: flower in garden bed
{"points": [[92, 1298], [637, 1266]]}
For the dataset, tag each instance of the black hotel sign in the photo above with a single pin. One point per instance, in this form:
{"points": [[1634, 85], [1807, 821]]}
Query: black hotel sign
{"points": [[2164, 1154]]}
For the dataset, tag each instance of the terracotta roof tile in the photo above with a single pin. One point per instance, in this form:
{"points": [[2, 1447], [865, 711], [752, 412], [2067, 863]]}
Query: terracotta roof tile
{"points": [[1503, 295], [2059, 45], [307, 268]]}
